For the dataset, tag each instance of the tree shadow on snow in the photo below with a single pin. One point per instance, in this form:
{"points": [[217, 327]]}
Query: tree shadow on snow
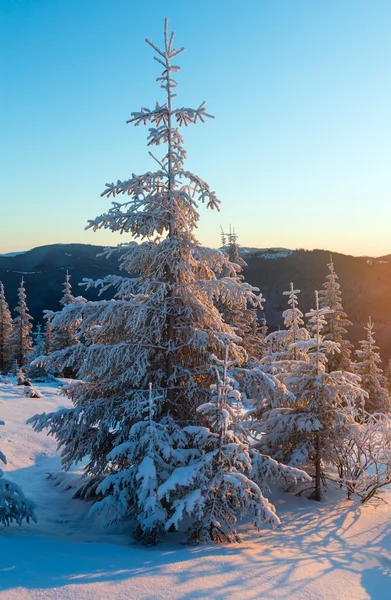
{"points": [[316, 544]]}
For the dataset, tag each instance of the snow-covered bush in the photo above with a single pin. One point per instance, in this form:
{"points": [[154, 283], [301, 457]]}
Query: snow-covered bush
{"points": [[364, 461], [14, 507]]}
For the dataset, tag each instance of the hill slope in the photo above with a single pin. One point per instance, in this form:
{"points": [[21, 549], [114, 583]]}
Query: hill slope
{"points": [[366, 282]]}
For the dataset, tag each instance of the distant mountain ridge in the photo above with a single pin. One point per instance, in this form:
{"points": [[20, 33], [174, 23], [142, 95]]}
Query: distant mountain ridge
{"points": [[365, 281]]}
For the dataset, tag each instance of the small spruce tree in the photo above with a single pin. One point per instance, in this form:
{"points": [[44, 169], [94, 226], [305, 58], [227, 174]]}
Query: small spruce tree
{"points": [[63, 337], [372, 378], [336, 321], [308, 426], [5, 334], [21, 339]]}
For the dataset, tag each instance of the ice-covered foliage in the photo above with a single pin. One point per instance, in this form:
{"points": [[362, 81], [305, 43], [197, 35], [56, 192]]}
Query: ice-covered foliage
{"points": [[372, 378], [364, 461], [21, 342], [215, 487], [282, 344], [6, 358], [163, 322], [150, 454], [14, 507], [37, 371], [63, 336], [313, 423], [336, 321], [243, 319]]}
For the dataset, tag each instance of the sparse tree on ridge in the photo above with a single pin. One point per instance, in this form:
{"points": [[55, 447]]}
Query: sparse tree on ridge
{"points": [[336, 321], [5, 333], [160, 329], [372, 378], [21, 338]]}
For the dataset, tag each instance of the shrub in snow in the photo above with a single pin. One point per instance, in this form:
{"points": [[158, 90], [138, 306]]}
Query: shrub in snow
{"points": [[14, 507], [30, 392]]}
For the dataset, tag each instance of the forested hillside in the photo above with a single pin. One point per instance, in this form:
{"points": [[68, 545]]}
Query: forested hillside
{"points": [[365, 282]]}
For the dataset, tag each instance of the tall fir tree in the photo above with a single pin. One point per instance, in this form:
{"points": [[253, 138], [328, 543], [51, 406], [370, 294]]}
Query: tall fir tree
{"points": [[6, 359], [336, 321], [160, 329], [21, 338], [372, 377]]}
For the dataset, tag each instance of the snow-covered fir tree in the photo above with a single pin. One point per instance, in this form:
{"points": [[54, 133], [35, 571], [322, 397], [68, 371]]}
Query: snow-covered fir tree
{"points": [[5, 333], [63, 336], [48, 336], [307, 427], [387, 375], [372, 378], [243, 319], [21, 337], [216, 486], [160, 329], [336, 321], [14, 507], [282, 343], [37, 371]]}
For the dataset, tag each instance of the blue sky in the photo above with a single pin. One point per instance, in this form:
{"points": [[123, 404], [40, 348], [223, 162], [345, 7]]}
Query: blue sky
{"points": [[300, 148]]}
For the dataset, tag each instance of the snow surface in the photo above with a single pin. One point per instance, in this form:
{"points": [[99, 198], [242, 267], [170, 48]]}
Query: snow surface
{"points": [[335, 549]]}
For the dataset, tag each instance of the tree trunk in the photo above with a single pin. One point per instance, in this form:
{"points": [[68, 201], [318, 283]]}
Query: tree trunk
{"points": [[317, 467]]}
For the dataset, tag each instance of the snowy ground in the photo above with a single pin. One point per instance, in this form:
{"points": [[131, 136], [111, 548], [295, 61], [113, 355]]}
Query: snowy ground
{"points": [[322, 552]]}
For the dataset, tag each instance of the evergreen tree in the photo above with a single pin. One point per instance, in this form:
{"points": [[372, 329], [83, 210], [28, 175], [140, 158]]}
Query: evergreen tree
{"points": [[48, 336], [336, 321], [14, 507], [308, 426], [387, 375], [372, 378], [283, 342], [160, 329], [63, 336], [243, 318], [5, 333], [21, 338], [37, 371], [215, 488]]}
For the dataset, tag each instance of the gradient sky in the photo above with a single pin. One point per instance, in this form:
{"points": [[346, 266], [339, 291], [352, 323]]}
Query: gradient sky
{"points": [[299, 152]]}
